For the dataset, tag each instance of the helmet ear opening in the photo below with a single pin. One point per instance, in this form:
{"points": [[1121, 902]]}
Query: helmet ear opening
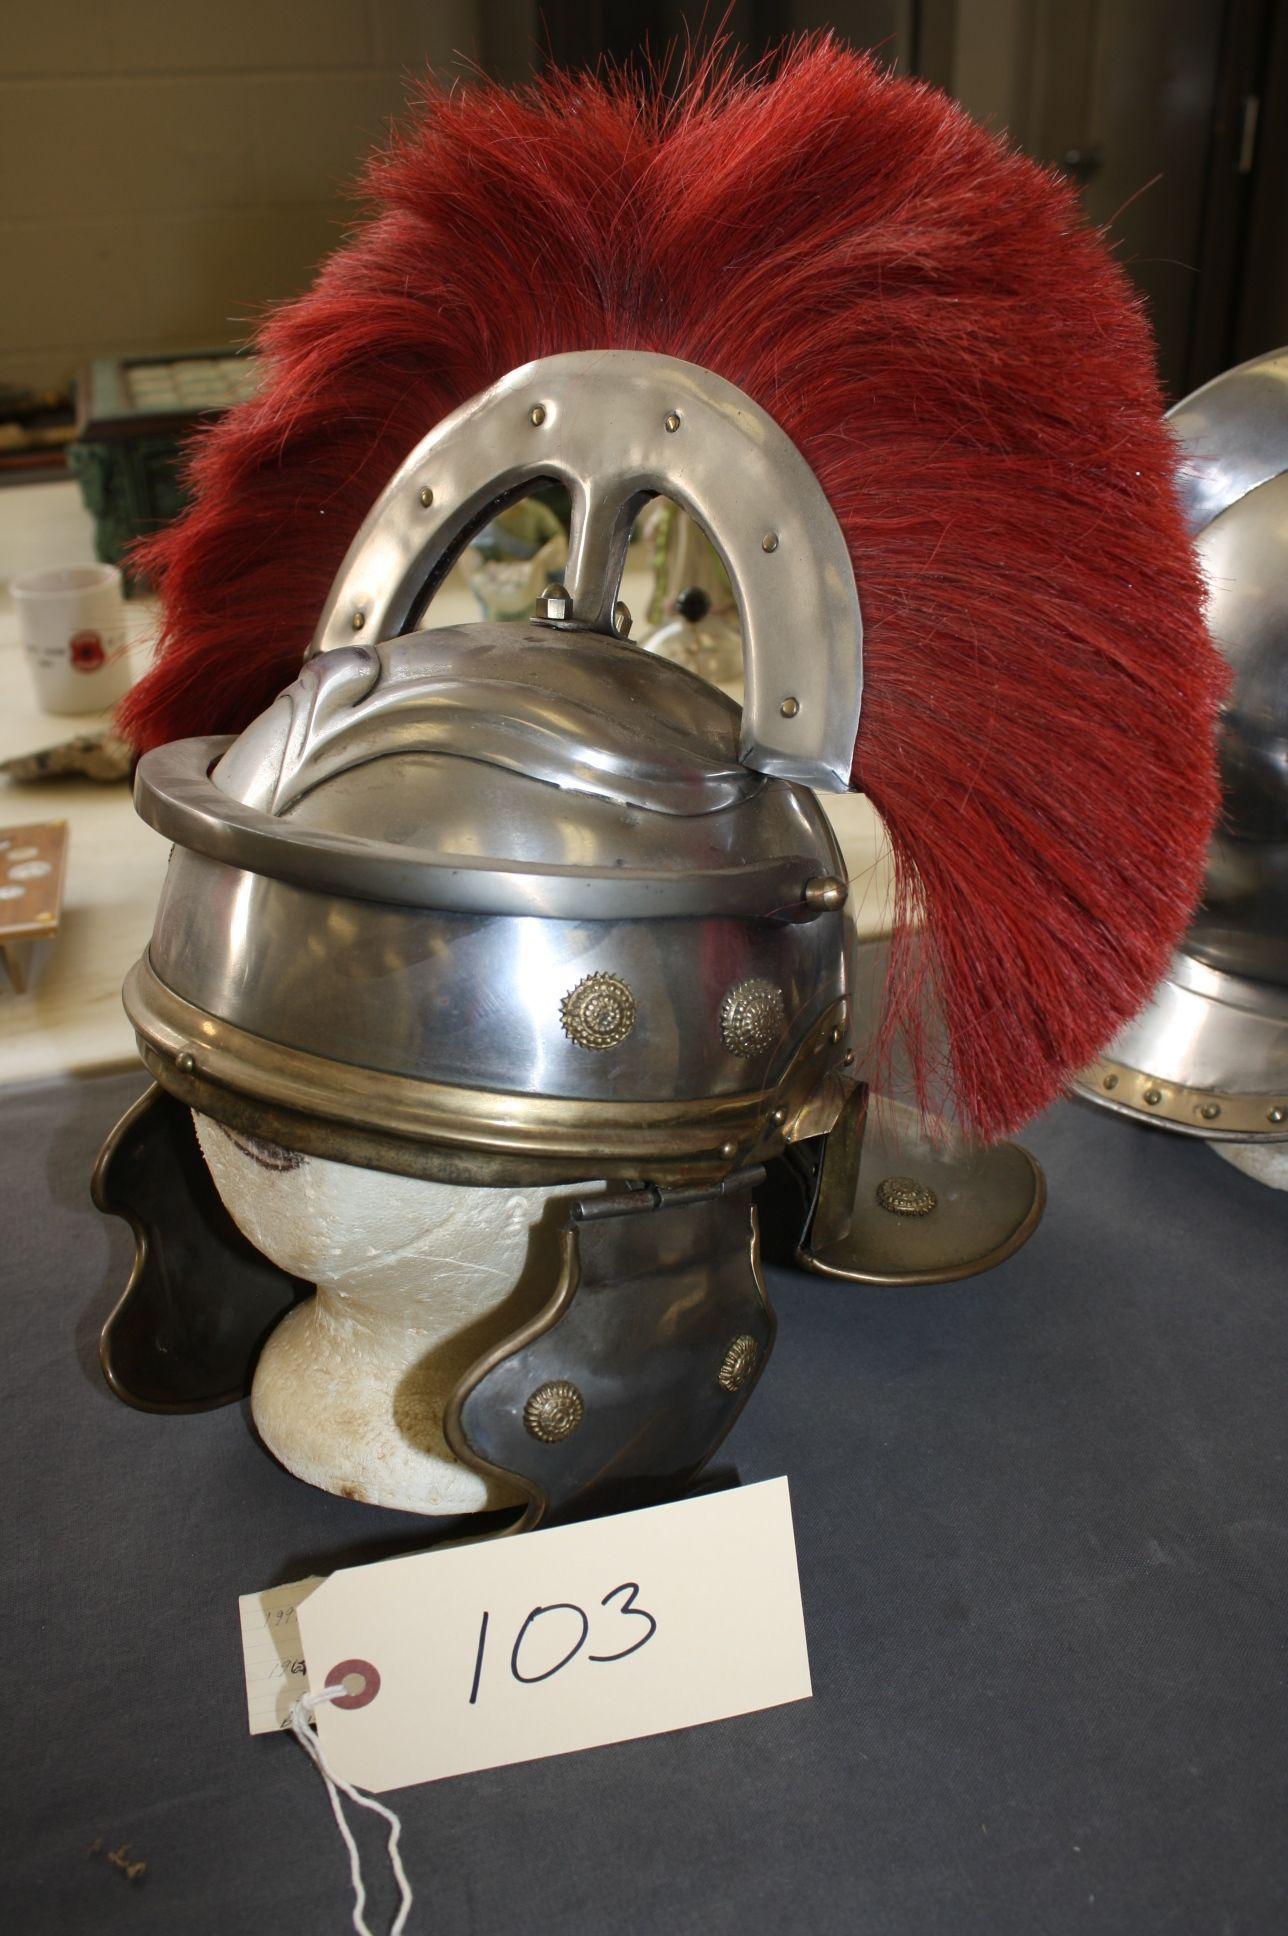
{"points": [[200, 1300]]}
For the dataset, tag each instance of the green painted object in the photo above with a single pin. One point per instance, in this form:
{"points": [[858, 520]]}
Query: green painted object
{"points": [[136, 415]]}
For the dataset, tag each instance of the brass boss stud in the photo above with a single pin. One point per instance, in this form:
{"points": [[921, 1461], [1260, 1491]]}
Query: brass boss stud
{"points": [[904, 1196], [554, 1411], [739, 1362]]}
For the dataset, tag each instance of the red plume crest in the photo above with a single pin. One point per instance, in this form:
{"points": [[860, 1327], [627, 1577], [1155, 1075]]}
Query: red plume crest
{"points": [[972, 379]]}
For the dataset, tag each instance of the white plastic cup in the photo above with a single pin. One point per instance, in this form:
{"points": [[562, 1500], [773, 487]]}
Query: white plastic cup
{"points": [[71, 621]]}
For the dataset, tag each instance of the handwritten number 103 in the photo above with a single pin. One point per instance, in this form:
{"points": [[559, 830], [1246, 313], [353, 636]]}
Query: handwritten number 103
{"points": [[627, 1610]]}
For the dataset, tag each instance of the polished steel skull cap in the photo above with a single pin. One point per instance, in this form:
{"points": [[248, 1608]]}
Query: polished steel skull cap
{"points": [[495, 903]]}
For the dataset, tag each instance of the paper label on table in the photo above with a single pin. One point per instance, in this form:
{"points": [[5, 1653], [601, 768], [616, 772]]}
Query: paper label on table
{"points": [[515, 1648], [272, 1654]]}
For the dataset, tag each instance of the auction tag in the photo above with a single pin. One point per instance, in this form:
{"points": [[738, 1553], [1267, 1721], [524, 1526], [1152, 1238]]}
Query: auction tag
{"points": [[515, 1648], [272, 1654]]}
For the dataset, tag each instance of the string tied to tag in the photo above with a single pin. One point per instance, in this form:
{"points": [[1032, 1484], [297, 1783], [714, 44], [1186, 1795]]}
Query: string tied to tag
{"points": [[301, 1716]]}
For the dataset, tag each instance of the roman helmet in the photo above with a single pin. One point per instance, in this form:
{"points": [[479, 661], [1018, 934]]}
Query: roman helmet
{"points": [[509, 905], [1208, 1055]]}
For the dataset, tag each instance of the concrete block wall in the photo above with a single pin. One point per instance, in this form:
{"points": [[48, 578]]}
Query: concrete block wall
{"points": [[169, 166]]}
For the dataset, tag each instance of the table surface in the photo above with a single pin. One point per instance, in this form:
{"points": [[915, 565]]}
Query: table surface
{"points": [[1044, 1559], [70, 1021]]}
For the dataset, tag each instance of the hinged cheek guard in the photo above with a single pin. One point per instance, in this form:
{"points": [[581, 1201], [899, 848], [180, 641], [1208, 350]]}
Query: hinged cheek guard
{"points": [[523, 905], [648, 1343], [200, 1299], [649, 1347], [884, 1198]]}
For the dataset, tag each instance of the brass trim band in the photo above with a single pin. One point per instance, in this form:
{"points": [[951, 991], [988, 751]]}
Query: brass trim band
{"points": [[374, 1119], [1197, 1112]]}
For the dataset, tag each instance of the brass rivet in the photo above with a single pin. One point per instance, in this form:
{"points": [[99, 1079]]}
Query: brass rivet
{"points": [[826, 892], [779, 1116], [358, 620], [1210, 1111], [1111, 1082], [728, 1149], [672, 420], [790, 706], [740, 1361], [837, 1033], [770, 541], [1277, 1115], [426, 496], [1152, 1096], [903, 1196], [622, 620], [847, 1058], [554, 1411], [186, 1062], [537, 415]]}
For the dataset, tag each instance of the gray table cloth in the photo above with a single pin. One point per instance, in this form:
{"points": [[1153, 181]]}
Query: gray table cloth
{"points": [[1043, 1546]]}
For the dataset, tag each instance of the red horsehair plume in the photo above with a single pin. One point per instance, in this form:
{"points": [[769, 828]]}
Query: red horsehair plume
{"points": [[965, 367]]}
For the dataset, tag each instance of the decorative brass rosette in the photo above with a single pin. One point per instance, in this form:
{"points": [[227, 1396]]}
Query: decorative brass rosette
{"points": [[752, 1017], [903, 1196], [739, 1363], [599, 1012], [554, 1411]]}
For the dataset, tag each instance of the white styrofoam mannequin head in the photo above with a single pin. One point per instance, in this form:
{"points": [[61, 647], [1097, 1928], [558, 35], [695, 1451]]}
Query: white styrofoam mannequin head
{"points": [[415, 1280]]}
